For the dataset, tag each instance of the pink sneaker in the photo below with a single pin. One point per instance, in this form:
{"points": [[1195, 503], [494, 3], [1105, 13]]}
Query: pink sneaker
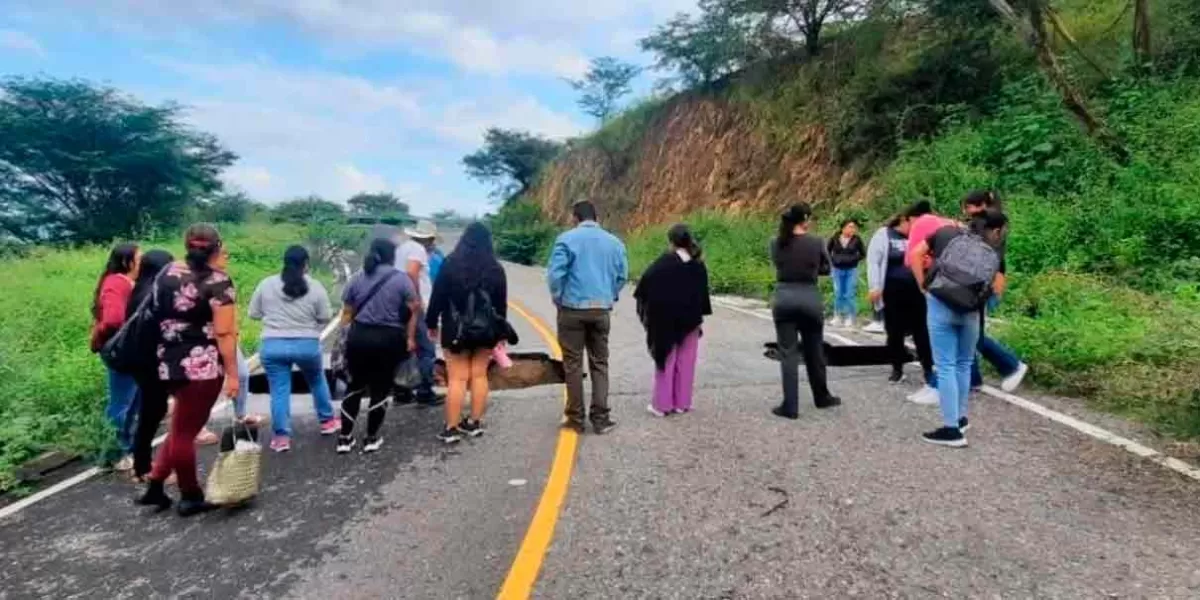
{"points": [[281, 443], [331, 426], [500, 355]]}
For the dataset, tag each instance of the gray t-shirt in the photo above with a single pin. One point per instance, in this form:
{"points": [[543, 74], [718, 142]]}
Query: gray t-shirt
{"points": [[287, 317], [389, 306]]}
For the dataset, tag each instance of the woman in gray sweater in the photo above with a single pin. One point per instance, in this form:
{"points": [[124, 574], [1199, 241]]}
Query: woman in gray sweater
{"points": [[294, 308]]}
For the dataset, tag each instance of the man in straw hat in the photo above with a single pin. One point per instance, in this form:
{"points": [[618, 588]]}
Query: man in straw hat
{"points": [[412, 257]]}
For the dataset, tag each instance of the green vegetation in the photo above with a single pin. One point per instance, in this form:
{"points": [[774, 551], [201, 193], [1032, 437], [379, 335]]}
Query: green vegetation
{"points": [[1090, 134], [52, 388], [522, 234]]}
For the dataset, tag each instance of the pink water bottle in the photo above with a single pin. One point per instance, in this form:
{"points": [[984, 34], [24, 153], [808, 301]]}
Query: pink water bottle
{"points": [[500, 355]]}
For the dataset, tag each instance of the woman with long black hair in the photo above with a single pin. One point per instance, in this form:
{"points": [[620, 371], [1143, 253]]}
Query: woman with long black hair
{"points": [[672, 300], [381, 307], [471, 289], [798, 309], [294, 308], [152, 391], [110, 302]]}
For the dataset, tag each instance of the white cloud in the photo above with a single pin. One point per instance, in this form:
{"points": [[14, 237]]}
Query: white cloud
{"points": [[255, 181], [352, 181], [466, 121], [19, 41]]}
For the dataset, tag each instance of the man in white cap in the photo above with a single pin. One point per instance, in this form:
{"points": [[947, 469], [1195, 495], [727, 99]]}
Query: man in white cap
{"points": [[412, 257]]}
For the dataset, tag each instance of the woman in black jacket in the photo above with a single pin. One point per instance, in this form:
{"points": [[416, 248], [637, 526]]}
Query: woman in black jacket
{"points": [[672, 300], [153, 391], [846, 250], [469, 305]]}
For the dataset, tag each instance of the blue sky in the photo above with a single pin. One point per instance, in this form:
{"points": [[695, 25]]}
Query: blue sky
{"points": [[334, 97]]}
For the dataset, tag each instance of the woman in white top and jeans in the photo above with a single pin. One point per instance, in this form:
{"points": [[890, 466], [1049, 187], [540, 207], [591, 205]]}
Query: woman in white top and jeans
{"points": [[294, 308]]}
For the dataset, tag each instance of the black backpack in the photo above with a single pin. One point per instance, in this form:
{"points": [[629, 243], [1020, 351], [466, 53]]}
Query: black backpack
{"points": [[477, 325], [133, 349]]}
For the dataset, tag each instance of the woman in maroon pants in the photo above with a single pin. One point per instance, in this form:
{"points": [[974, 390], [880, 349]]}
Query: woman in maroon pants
{"points": [[198, 322]]}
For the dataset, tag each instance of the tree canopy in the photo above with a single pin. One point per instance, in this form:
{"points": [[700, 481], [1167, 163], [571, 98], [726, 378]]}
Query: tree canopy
{"points": [[602, 87], [510, 160], [703, 48], [377, 204], [84, 163], [312, 209]]}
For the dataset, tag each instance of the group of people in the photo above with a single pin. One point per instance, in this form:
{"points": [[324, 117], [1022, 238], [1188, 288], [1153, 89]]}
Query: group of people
{"points": [[933, 278], [391, 313]]}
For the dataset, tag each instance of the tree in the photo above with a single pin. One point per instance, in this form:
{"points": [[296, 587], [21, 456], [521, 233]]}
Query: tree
{"points": [[606, 82], [705, 48], [82, 163], [1141, 32], [312, 209], [806, 18], [229, 207], [380, 204], [510, 160]]}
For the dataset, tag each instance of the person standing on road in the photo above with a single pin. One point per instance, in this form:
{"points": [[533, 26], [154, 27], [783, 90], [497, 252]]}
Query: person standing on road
{"points": [[413, 258], [294, 308], [893, 287], [199, 344], [964, 272], [920, 229], [587, 270], [381, 307], [152, 391], [469, 307], [1012, 369], [673, 299], [846, 250], [798, 310], [109, 306]]}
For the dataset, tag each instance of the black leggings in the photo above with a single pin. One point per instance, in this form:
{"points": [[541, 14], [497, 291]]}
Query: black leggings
{"points": [[798, 315], [372, 355], [904, 314], [154, 409]]}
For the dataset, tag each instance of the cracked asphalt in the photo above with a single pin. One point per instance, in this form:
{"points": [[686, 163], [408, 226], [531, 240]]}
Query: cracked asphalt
{"points": [[725, 502]]}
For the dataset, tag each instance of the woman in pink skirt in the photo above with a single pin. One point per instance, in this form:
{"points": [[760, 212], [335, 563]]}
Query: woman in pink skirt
{"points": [[672, 300]]}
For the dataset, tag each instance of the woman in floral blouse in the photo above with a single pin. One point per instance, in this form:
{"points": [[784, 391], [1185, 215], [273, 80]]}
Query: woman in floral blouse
{"points": [[198, 321]]}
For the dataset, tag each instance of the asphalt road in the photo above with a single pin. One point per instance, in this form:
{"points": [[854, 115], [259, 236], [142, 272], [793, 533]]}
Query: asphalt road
{"points": [[726, 502]]}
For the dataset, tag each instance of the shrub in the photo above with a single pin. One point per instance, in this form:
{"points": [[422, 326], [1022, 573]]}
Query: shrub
{"points": [[522, 234]]}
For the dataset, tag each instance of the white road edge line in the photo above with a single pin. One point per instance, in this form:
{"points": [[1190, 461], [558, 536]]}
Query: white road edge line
{"points": [[66, 484], [1135, 448]]}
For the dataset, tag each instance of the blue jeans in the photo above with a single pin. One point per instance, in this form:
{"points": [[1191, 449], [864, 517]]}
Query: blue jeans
{"points": [[426, 359], [999, 355], [953, 337], [124, 402], [845, 292], [278, 356]]}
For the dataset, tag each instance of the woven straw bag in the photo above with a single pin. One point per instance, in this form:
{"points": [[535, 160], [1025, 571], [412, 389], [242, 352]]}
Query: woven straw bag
{"points": [[237, 473]]}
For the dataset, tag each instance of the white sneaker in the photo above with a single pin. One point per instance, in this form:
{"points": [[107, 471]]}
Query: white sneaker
{"points": [[926, 396], [654, 411], [834, 323], [874, 327], [849, 323], [1012, 382], [125, 464]]}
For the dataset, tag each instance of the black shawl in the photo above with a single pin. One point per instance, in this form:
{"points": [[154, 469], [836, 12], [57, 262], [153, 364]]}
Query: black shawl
{"points": [[672, 299]]}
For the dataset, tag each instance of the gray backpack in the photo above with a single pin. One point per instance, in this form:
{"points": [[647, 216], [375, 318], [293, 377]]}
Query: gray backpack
{"points": [[962, 276]]}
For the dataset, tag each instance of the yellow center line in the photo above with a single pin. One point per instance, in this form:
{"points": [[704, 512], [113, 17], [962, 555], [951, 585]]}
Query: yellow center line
{"points": [[523, 574]]}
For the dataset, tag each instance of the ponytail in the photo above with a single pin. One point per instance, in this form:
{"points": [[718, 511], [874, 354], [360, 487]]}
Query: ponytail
{"points": [[202, 242], [798, 214], [681, 237], [381, 252], [295, 262]]}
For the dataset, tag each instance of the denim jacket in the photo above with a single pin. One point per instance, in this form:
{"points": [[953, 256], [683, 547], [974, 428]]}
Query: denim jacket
{"points": [[587, 269]]}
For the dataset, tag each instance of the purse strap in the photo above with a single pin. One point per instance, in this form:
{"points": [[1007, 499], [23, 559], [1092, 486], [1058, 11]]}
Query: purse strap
{"points": [[374, 290]]}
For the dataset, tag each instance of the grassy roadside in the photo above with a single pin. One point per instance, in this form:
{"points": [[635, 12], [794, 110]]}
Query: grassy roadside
{"points": [[52, 388]]}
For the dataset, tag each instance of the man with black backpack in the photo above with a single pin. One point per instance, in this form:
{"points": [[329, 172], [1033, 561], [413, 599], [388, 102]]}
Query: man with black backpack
{"points": [[588, 268], [958, 270]]}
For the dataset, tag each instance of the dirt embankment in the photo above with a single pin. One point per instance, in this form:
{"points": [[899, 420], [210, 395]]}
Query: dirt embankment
{"points": [[696, 153]]}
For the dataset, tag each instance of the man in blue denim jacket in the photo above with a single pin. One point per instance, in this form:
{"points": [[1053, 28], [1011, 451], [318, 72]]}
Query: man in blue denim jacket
{"points": [[587, 270]]}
